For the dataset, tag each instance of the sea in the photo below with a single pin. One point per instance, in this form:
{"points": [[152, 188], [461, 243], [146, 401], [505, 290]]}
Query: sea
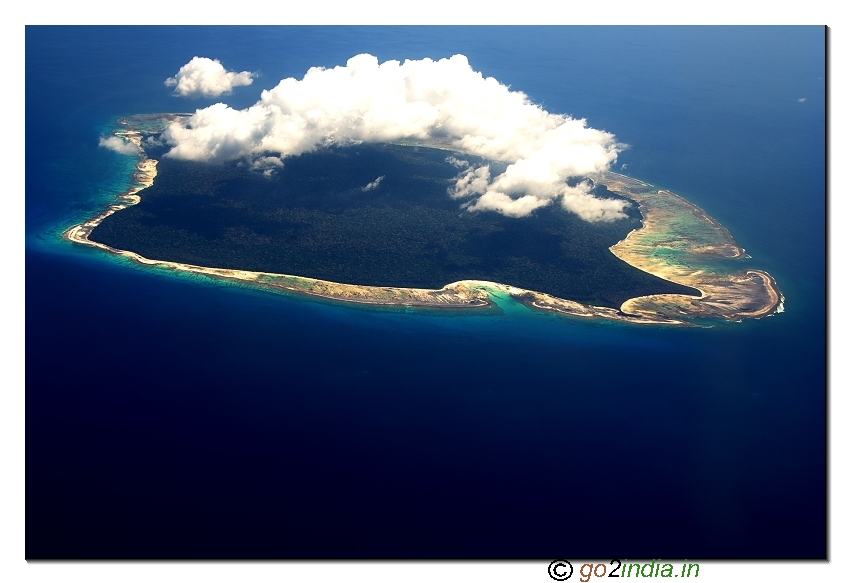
{"points": [[173, 416]]}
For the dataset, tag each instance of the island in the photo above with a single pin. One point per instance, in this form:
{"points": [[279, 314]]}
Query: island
{"points": [[333, 225]]}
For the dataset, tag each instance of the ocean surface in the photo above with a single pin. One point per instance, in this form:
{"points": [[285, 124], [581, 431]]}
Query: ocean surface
{"points": [[178, 417]]}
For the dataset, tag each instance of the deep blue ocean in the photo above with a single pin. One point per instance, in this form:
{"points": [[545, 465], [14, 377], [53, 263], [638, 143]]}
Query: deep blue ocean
{"points": [[176, 417]]}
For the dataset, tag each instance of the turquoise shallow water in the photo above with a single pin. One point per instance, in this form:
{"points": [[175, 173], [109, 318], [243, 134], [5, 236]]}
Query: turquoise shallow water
{"points": [[185, 417]]}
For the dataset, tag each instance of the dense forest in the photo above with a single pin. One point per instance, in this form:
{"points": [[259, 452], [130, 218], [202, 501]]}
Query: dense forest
{"points": [[313, 217]]}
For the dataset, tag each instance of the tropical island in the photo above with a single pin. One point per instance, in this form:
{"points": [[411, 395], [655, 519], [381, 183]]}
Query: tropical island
{"points": [[373, 224]]}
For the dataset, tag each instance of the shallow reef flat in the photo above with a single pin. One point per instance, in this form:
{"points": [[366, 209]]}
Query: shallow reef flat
{"points": [[679, 242]]}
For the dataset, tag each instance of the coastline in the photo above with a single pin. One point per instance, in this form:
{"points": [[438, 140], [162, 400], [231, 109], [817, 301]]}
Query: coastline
{"points": [[735, 296], [702, 258], [466, 294]]}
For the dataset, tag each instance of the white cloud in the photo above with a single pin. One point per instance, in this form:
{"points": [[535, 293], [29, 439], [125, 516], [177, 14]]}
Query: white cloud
{"points": [[373, 185], [579, 200], [203, 77], [471, 181], [116, 144], [493, 200], [153, 141], [368, 101], [267, 164]]}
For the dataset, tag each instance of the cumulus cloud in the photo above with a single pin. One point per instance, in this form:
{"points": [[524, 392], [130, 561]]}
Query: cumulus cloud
{"points": [[367, 102], [471, 181], [203, 77], [457, 162], [153, 142], [267, 164], [116, 144], [577, 199], [373, 185]]}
